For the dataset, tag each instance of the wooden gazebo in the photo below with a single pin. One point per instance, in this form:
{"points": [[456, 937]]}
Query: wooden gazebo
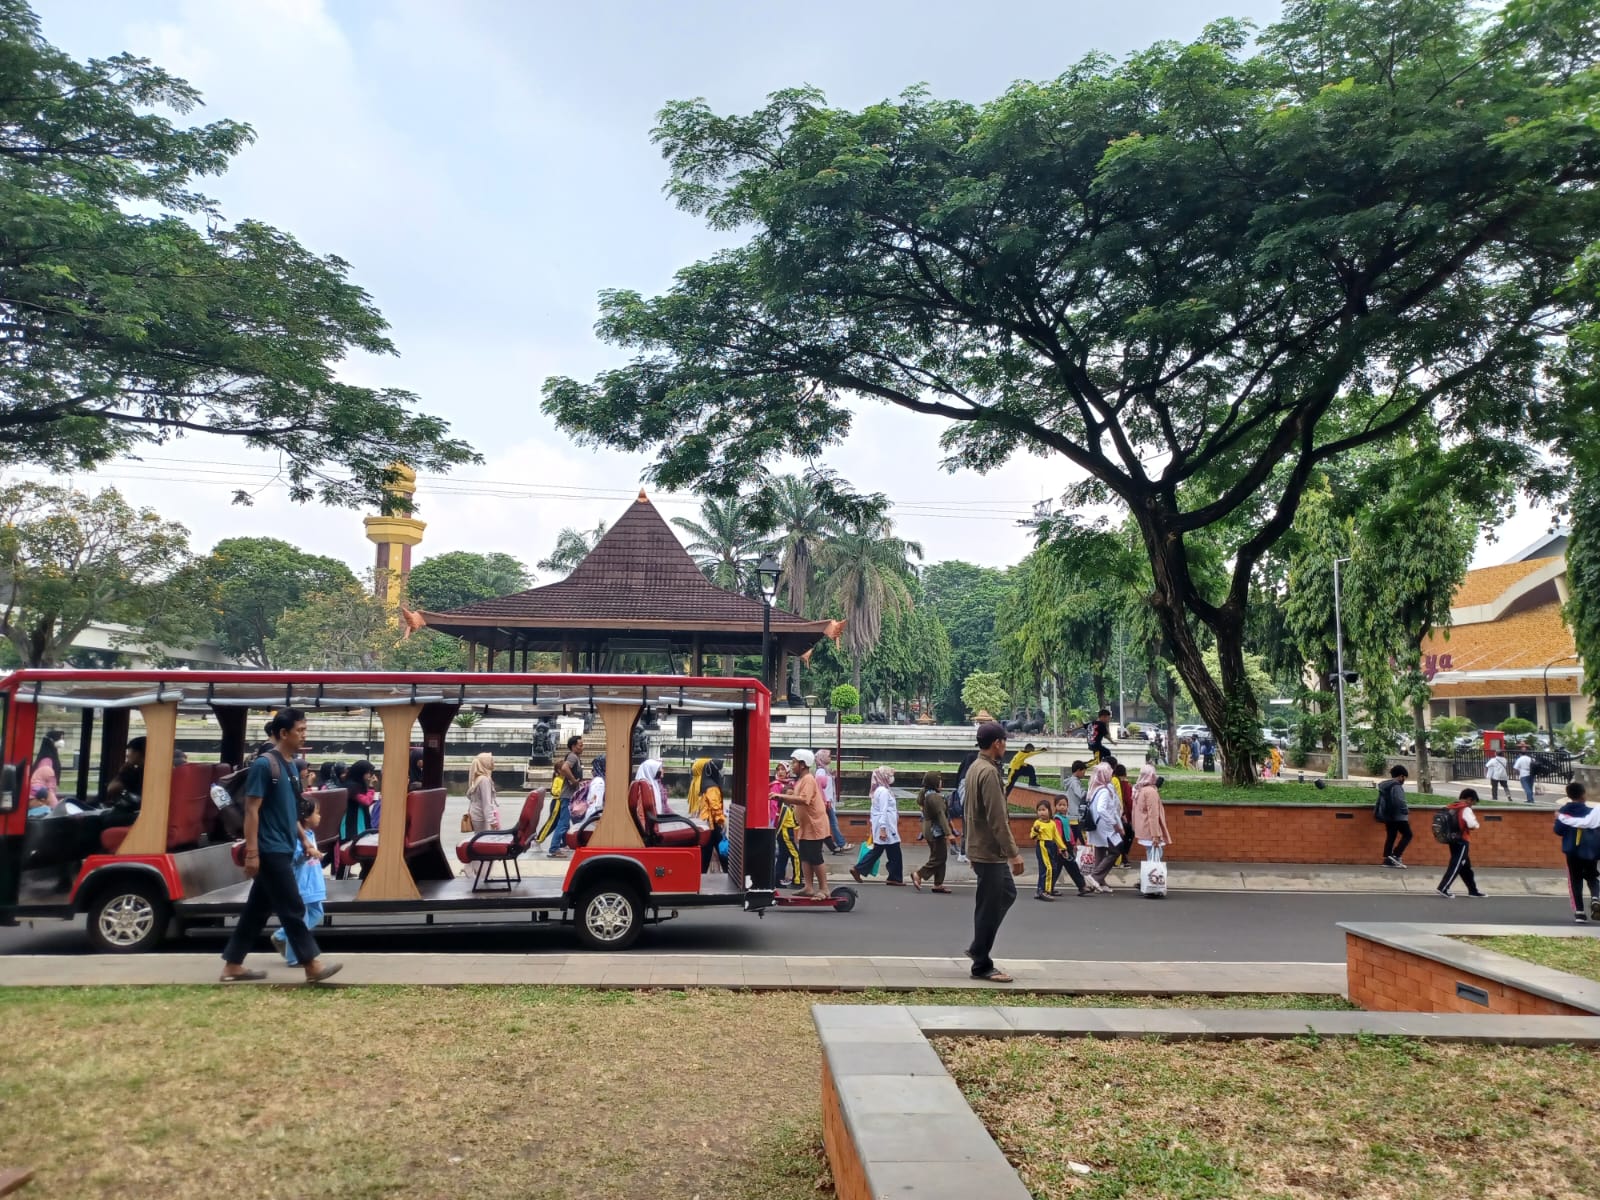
{"points": [[637, 593]]}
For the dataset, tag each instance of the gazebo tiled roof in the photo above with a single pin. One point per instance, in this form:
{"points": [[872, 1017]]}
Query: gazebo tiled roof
{"points": [[638, 581]]}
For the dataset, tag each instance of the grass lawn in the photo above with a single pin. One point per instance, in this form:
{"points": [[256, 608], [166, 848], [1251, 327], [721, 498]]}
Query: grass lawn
{"points": [[1378, 1119], [1577, 956], [486, 1092]]}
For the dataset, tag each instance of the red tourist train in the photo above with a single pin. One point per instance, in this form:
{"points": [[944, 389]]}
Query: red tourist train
{"points": [[174, 866]]}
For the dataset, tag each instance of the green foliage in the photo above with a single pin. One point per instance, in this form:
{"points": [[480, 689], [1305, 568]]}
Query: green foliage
{"points": [[1193, 278], [1444, 731], [68, 559], [851, 719], [844, 698], [1582, 609], [1574, 735], [459, 577], [467, 718], [727, 543], [966, 599], [349, 629], [135, 313], [866, 572], [571, 548], [1514, 727], [912, 657], [248, 583], [982, 692]]}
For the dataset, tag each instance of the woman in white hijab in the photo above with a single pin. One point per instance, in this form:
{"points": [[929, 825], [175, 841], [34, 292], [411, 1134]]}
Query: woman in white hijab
{"points": [[650, 772], [885, 830], [483, 808]]}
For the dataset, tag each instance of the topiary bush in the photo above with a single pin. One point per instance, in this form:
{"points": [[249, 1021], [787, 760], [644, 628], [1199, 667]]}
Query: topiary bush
{"points": [[843, 699], [851, 719], [1516, 727]]}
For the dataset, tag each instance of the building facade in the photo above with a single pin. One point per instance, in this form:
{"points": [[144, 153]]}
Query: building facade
{"points": [[1509, 651]]}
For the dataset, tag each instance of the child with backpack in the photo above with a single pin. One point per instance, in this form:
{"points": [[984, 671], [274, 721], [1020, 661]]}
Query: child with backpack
{"points": [[1453, 826], [1578, 826]]}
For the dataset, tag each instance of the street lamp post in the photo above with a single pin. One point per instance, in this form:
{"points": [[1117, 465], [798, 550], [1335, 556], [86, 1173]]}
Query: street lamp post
{"points": [[1549, 721], [767, 571], [1338, 651]]}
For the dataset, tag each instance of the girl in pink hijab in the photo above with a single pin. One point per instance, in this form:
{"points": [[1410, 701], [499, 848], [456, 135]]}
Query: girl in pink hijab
{"points": [[1105, 830], [1149, 815]]}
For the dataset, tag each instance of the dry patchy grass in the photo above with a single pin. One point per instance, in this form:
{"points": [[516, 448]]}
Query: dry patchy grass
{"points": [[1309, 1119], [1578, 956], [486, 1092]]}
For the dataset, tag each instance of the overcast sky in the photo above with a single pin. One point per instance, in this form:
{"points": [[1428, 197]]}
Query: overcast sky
{"points": [[485, 165]]}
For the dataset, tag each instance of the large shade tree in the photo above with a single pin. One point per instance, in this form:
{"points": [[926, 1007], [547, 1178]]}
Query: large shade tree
{"points": [[248, 583], [460, 577], [68, 560], [1191, 278], [131, 312]]}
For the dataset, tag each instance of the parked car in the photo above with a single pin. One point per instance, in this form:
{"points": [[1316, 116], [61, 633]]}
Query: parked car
{"points": [[1191, 730]]}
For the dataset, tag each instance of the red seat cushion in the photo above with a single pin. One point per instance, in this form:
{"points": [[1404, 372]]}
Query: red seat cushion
{"points": [[500, 844], [365, 848], [111, 839]]}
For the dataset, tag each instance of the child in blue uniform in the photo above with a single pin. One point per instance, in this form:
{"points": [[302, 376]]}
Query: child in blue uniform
{"points": [[309, 879]]}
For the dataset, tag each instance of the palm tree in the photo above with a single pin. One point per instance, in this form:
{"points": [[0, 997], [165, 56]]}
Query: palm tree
{"points": [[572, 547], [802, 524], [866, 568], [726, 545]]}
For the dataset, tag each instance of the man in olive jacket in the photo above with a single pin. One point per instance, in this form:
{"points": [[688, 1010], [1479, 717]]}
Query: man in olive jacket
{"points": [[992, 849]]}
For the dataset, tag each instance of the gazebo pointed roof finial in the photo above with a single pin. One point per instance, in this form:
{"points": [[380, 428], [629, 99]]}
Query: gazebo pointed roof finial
{"points": [[643, 499]]}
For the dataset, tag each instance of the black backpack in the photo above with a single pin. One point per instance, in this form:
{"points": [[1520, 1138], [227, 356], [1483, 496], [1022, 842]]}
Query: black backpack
{"points": [[228, 796], [1447, 826]]}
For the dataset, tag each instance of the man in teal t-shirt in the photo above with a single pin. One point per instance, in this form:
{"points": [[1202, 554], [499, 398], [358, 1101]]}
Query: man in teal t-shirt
{"points": [[271, 831]]}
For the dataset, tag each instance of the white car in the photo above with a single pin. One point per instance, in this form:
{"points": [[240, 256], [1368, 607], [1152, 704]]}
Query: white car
{"points": [[1190, 730]]}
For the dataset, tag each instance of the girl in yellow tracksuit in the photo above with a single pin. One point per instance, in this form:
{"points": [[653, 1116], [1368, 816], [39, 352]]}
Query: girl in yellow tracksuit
{"points": [[787, 873], [1049, 848]]}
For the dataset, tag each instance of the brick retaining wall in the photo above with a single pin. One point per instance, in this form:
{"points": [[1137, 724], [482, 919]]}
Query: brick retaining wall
{"points": [[1386, 979], [1309, 833], [844, 1159]]}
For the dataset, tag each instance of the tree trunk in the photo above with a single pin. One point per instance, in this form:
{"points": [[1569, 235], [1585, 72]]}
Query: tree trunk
{"points": [[1097, 680], [855, 673], [1174, 597], [1424, 764]]}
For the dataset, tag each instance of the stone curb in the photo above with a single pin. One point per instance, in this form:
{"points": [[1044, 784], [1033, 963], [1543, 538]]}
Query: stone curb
{"points": [[894, 1122], [832, 973]]}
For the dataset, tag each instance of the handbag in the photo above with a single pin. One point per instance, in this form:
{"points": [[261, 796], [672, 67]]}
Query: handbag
{"points": [[1085, 856], [866, 849], [466, 822], [1153, 878]]}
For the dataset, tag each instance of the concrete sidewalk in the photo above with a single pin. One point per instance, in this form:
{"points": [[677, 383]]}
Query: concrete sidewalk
{"points": [[1249, 877], [749, 971]]}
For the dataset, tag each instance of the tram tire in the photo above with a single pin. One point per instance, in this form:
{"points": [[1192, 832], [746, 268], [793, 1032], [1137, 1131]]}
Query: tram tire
{"points": [[609, 916], [128, 916]]}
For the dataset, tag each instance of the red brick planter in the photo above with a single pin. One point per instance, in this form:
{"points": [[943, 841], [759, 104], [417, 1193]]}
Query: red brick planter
{"points": [[1310, 833]]}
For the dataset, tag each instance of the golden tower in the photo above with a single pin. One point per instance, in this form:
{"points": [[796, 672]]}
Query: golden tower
{"points": [[394, 533]]}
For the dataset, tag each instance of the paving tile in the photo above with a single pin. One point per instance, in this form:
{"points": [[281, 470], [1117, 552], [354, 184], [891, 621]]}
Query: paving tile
{"points": [[924, 1138], [883, 1058], [901, 1096], [944, 1181], [953, 1020]]}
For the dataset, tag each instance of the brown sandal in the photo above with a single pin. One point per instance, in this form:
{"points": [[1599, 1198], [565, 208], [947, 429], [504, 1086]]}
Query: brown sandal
{"points": [[245, 977], [943, 891]]}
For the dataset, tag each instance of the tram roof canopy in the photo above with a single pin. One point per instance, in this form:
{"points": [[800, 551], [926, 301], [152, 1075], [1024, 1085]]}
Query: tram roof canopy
{"points": [[637, 583], [347, 690]]}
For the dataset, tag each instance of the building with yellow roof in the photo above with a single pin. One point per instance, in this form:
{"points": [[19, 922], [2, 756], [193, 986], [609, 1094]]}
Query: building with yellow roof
{"points": [[1509, 648]]}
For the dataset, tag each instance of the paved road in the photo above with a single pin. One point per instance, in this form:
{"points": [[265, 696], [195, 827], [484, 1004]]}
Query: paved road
{"points": [[1188, 927]]}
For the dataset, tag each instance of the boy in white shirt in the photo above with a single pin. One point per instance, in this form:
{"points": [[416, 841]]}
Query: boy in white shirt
{"points": [[1524, 769], [1460, 848]]}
